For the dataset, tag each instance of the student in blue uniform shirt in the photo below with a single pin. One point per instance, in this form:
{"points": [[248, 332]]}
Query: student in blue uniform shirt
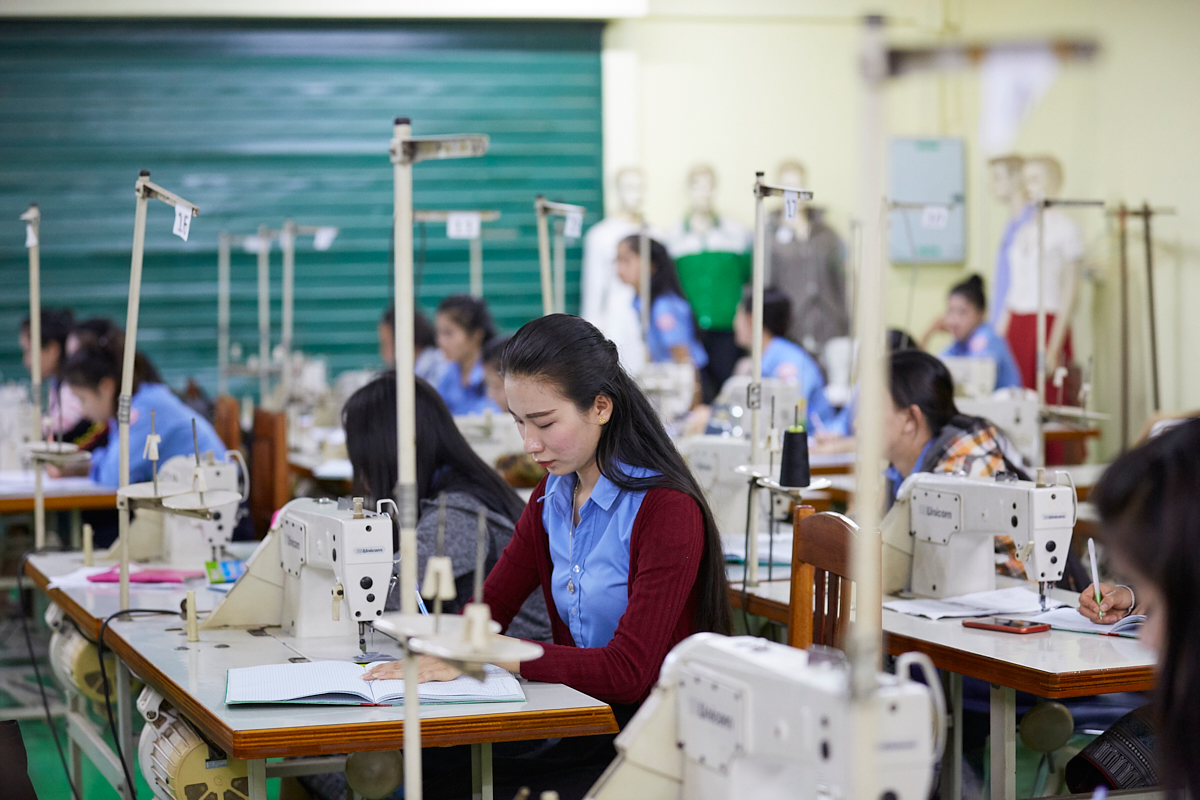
{"points": [[94, 375], [974, 337], [672, 334], [784, 359], [464, 326]]}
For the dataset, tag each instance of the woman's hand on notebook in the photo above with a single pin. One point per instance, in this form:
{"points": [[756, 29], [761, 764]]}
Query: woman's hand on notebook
{"points": [[1115, 602], [428, 669]]}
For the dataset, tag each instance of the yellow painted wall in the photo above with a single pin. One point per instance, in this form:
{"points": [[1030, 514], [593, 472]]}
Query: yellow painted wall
{"points": [[745, 86]]}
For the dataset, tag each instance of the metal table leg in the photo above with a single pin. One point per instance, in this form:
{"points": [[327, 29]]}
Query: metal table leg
{"points": [[951, 781], [481, 771], [74, 751], [125, 715], [256, 772], [76, 529], [1003, 743]]}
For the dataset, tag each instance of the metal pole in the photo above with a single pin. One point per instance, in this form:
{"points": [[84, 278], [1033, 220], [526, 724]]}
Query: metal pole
{"points": [[1146, 213], [1123, 267], [560, 268], [754, 398], [1040, 368], [126, 397], [264, 311], [477, 266], [543, 231], [223, 313], [407, 444], [33, 217], [287, 242], [865, 637], [644, 281]]}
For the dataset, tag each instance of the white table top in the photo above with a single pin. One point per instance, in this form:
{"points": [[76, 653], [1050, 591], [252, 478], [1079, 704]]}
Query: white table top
{"points": [[20, 484], [196, 671]]}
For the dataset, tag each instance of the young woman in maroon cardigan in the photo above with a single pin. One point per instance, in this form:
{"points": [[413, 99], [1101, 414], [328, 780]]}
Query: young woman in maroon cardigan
{"points": [[618, 537]]}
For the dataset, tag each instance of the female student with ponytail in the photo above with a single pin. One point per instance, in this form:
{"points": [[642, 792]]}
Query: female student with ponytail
{"points": [[618, 537]]}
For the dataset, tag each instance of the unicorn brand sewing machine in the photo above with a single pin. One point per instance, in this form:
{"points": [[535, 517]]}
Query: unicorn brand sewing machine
{"points": [[744, 717], [946, 525]]}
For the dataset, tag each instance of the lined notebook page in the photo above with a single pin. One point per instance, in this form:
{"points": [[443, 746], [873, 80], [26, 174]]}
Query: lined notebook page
{"points": [[280, 683], [1069, 619]]}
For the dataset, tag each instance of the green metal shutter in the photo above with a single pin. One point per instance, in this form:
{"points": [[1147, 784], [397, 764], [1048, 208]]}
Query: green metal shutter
{"points": [[257, 123]]}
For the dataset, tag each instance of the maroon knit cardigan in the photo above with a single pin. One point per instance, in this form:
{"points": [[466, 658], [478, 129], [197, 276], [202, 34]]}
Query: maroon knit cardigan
{"points": [[665, 550]]}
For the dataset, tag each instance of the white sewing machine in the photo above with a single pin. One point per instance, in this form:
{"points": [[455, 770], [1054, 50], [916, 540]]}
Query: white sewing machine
{"points": [[744, 717], [490, 434], [17, 416], [192, 541], [973, 377], [324, 570], [942, 527], [1015, 413], [671, 388]]}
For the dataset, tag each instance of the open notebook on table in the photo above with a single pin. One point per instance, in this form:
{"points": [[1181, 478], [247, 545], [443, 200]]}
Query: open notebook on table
{"points": [[1069, 619], [341, 683]]}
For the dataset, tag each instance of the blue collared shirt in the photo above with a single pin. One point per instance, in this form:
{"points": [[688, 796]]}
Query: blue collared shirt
{"points": [[172, 421], [590, 580], [671, 326], [789, 362], [469, 399], [984, 342], [894, 476]]}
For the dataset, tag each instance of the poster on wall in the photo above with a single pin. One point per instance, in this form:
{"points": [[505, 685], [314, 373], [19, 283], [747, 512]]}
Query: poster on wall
{"points": [[926, 191]]}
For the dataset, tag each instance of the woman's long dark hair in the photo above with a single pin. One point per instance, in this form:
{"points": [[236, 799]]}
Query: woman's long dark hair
{"points": [[664, 277], [469, 313], [922, 380], [445, 462], [1149, 505], [571, 354], [103, 332]]}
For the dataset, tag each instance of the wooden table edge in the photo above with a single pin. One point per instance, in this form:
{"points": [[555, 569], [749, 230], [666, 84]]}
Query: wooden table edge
{"points": [[87, 622], [86, 502], [1082, 683], [377, 735]]}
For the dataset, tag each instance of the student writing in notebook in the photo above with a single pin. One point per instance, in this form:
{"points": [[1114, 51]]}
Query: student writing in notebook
{"points": [[618, 538]]}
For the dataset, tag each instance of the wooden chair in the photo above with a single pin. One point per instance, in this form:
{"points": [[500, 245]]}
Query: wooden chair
{"points": [[819, 607], [226, 420], [269, 476]]}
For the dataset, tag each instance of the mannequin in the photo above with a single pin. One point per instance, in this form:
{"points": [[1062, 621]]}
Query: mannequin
{"points": [[806, 260], [712, 255], [1009, 188], [1061, 265], [607, 303]]}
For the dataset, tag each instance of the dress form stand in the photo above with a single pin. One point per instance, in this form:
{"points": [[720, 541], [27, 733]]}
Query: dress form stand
{"points": [[606, 302], [806, 261], [712, 254], [1008, 188]]}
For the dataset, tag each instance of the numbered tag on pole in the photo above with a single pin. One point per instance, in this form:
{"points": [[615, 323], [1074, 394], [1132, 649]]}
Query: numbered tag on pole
{"points": [[791, 203], [935, 217], [183, 221], [323, 238], [251, 244], [463, 224], [31, 239], [573, 225]]}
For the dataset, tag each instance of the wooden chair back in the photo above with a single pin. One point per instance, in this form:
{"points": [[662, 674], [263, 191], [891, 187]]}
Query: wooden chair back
{"points": [[270, 485], [226, 421], [819, 607]]}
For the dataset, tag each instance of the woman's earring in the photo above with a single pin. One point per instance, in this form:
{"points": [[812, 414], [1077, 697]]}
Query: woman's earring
{"points": [[603, 420]]}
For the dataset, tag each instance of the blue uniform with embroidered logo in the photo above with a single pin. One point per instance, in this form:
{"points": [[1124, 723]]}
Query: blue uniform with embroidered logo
{"points": [[789, 362], [590, 579], [984, 342], [671, 326], [469, 399]]}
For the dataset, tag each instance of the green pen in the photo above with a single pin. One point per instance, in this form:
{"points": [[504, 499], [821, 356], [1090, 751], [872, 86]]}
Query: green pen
{"points": [[1095, 573]]}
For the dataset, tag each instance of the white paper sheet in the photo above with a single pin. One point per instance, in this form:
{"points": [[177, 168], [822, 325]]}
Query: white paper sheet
{"points": [[1069, 619], [1015, 600]]}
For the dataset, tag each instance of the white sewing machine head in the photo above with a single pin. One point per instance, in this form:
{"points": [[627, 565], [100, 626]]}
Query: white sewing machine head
{"points": [[337, 566], [953, 521], [744, 717], [1015, 413], [974, 377], [192, 541]]}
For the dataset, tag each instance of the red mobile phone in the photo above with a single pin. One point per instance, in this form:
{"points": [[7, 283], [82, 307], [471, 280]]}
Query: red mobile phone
{"points": [[1006, 625]]}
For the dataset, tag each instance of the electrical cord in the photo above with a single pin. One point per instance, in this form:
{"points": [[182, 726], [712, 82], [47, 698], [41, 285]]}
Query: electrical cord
{"points": [[37, 675], [112, 725]]}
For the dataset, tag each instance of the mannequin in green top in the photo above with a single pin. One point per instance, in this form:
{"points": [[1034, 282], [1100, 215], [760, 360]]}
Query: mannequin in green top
{"points": [[712, 255]]}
